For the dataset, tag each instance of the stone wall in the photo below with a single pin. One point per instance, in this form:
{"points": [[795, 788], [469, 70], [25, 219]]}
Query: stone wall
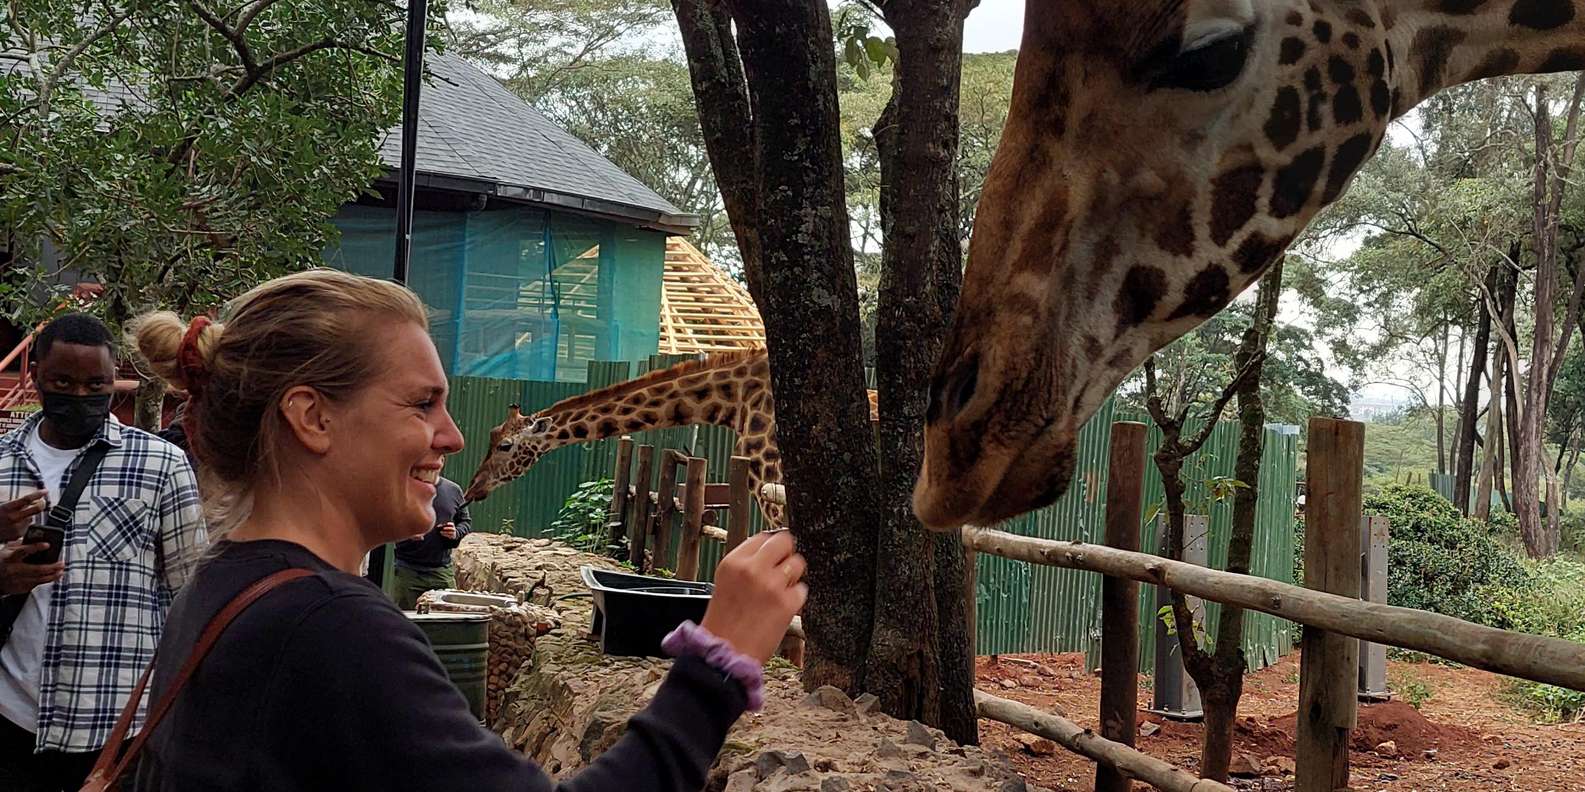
{"points": [[569, 703]]}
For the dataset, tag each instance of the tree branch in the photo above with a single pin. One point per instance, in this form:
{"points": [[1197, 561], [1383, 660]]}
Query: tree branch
{"points": [[64, 64]]}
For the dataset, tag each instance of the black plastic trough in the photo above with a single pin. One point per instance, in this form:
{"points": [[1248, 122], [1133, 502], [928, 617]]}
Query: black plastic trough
{"points": [[632, 613]]}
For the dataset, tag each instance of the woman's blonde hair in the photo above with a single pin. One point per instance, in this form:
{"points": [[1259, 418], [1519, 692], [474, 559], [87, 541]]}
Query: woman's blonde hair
{"points": [[316, 328]]}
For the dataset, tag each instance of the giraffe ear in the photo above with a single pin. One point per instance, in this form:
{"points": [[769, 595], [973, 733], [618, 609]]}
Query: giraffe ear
{"points": [[514, 411]]}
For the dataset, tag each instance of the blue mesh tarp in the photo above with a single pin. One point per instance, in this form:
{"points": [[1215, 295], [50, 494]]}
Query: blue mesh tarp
{"points": [[520, 293]]}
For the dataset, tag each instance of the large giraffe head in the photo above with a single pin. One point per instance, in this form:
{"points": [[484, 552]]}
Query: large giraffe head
{"points": [[515, 445], [1158, 156]]}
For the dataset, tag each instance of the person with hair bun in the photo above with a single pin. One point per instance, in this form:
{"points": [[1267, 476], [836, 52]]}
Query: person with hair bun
{"points": [[318, 417]]}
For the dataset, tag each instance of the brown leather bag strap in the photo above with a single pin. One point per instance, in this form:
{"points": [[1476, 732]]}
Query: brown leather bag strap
{"points": [[103, 776]]}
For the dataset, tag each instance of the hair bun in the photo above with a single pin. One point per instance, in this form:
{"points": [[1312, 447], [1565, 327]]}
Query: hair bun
{"points": [[178, 352]]}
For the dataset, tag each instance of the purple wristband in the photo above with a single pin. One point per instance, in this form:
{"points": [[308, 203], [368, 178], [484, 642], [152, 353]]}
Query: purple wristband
{"points": [[690, 639]]}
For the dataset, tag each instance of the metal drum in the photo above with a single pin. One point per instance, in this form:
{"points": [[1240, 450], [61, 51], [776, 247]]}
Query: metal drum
{"points": [[462, 642]]}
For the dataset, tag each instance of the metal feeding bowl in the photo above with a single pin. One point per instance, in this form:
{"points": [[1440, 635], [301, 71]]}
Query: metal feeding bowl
{"points": [[632, 613]]}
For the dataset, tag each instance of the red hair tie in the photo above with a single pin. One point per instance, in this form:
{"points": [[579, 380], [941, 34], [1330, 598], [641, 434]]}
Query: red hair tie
{"points": [[190, 360]]}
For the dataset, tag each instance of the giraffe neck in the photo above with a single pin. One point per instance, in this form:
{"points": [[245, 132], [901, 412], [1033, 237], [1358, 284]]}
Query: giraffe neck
{"points": [[729, 390], [1441, 43]]}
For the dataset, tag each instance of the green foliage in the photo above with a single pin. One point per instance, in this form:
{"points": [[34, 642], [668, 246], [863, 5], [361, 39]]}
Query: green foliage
{"points": [[1548, 703], [1201, 637], [1294, 383], [581, 523], [217, 159], [1412, 688], [862, 50], [1439, 561]]}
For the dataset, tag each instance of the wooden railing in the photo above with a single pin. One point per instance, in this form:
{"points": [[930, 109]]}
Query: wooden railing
{"points": [[1328, 605], [646, 516]]}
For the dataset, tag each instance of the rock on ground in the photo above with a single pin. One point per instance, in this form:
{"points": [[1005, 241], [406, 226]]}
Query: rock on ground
{"points": [[570, 703]]}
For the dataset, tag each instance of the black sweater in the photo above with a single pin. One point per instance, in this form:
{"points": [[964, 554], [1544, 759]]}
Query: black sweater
{"points": [[324, 684], [433, 551]]}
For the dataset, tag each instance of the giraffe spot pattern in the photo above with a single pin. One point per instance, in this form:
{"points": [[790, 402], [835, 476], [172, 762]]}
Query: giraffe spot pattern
{"points": [[1380, 99], [1436, 47], [682, 413], [771, 455], [1351, 40], [754, 445], [1295, 18], [1292, 50], [609, 427], [1460, 7], [714, 414], [580, 431], [1176, 236], [1205, 293], [1257, 252], [1318, 97], [1295, 183], [649, 417], [1497, 63], [1345, 161], [1233, 198], [1323, 31], [1340, 70], [1360, 18], [1143, 287], [635, 425], [701, 393], [1392, 65], [1542, 14], [1092, 347], [1564, 59], [727, 391], [1287, 113], [756, 423], [563, 435], [1375, 64], [1346, 106]]}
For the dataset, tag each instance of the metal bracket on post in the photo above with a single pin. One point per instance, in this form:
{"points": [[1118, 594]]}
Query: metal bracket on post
{"points": [[1175, 696], [1374, 531]]}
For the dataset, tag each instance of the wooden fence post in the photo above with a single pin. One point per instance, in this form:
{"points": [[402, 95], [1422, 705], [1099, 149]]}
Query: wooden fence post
{"points": [[619, 494], [693, 520], [1120, 600], [741, 502], [666, 506], [638, 509], [1329, 663]]}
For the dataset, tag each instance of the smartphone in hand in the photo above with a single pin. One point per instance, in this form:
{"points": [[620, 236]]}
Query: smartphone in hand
{"points": [[45, 534]]}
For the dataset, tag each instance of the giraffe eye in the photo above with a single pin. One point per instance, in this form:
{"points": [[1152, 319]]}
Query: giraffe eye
{"points": [[1211, 66], [506, 445]]}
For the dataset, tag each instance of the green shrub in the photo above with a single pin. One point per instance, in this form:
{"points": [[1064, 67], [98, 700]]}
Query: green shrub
{"points": [[1549, 600], [1548, 703], [1438, 560], [581, 522], [1571, 525]]}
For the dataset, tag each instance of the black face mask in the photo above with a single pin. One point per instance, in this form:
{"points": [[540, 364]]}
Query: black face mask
{"points": [[76, 417]]}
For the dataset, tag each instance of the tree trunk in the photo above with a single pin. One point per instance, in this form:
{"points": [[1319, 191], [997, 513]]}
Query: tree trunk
{"points": [[811, 313], [1441, 402], [920, 664], [721, 92], [1464, 462], [1221, 691], [149, 405]]}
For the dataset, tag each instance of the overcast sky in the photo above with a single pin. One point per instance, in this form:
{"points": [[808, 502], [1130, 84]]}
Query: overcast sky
{"points": [[994, 27]]}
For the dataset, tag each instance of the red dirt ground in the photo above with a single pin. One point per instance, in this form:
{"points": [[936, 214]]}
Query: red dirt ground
{"points": [[1478, 741]]}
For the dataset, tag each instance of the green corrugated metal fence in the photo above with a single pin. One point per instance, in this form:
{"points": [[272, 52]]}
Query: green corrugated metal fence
{"points": [[1022, 608]]}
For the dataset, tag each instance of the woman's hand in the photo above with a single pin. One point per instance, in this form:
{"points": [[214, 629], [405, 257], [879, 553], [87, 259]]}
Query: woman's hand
{"points": [[758, 588]]}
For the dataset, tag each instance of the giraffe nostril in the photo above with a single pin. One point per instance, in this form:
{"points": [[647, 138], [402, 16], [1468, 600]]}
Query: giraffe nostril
{"points": [[953, 393]]}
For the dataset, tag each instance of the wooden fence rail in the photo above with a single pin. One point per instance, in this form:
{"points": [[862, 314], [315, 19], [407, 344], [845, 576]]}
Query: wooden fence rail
{"points": [[1533, 657], [1082, 741]]}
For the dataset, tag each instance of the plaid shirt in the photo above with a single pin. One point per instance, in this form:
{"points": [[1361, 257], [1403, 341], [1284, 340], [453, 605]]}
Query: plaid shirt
{"points": [[138, 534]]}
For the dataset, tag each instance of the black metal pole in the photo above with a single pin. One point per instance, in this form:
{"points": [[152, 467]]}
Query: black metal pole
{"points": [[381, 558], [413, 73]]}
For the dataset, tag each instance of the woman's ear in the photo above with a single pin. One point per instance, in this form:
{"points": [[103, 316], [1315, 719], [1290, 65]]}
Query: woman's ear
{"points": [[306, 413]]}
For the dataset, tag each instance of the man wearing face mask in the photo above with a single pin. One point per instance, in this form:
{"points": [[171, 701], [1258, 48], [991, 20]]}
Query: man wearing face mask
{"points": [[78, 631]]}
